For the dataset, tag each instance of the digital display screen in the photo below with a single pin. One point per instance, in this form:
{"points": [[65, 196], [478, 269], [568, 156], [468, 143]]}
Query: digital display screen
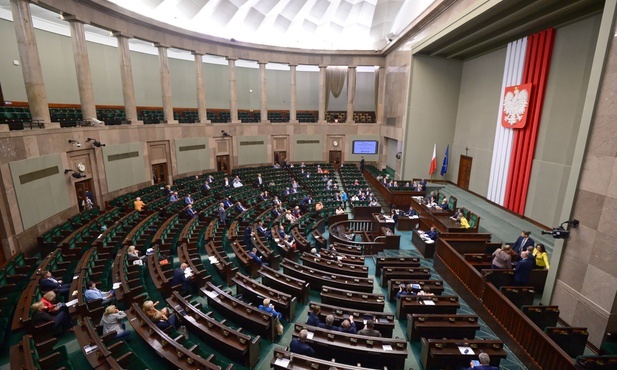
{"points": [[365, 147]]}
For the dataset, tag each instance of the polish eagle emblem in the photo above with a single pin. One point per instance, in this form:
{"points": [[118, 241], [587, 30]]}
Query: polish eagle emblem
{"points": [[515, 104]]}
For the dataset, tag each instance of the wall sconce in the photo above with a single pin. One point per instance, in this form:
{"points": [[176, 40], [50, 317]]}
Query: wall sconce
{"points": [[75, 143], [76, 175], [96, 143]]}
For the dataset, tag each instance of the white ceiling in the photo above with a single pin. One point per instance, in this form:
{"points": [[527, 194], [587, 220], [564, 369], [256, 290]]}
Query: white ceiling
{"points": [[306, 24]]}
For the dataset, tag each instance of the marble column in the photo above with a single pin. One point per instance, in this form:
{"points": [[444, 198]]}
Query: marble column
{"points": [[30, 63], [381, 95], [168, 102], [294, 103], [322, 94], [82, 68], [351, 92], [264, 92], [201, 89], [126, 73], [233, 95]]}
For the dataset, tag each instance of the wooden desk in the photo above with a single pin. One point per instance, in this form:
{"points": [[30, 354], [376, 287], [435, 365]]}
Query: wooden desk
{"points": [[380, 221], [384, 322], [426, 248], [353, 300], [437, 326], [342, 257], [542, 316], [255, 292], [241, 313], [380, 262], [390, 273], [285, 283], [428, 286], [364, 212], [353, 348], [283, 360], [318, 278], [441, 304], [445, 353], [336, 267], [406, 223]]}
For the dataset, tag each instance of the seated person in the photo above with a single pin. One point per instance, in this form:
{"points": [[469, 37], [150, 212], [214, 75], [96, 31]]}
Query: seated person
{"points": [[51, 306], [373, 203], [290, 216], [443, 206], [262, 230], [188, 199], [174, 197], [354, 198], [284, 236], [162, 318], [318, 206], [369, 330], [206, 185], [168, 190], [299, 346], [314, 252], [329, 323], [133, 254], [226, 183], [227, 203], [402, 291], [350, 235], [92, 293], [138, 204], [287, 191], [48, 283], [61, 319], [240, 207], [485, 363], [314, 316], [257, 258], [237, 183], [111, 321], [190, 211], [269, 307], [433, 233], [182, 277], [339, 211], [411, 212], [348, 326], [296, 212]]}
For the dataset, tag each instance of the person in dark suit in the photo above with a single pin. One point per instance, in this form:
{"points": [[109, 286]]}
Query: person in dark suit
{"points": [[262, 230], [523, 242], [49, 283], [523, 269], [226, 183], [248, 238], [485, 363], [240, 207], [255, 257], [227, 203], [180, 278], [348, 326], [362, 164], [329, 323], [434, 233], [314, 316], [299, 345], [222, 214], [259, 181], [190, 211]]}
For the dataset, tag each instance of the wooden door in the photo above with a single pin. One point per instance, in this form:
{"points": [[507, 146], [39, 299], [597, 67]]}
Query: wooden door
{"points": [[80, 190], [159, 173], [335, 158], [222, 163], [464, 172], [280, 157]]}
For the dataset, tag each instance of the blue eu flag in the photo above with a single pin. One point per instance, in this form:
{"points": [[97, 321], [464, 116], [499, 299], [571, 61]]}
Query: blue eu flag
{"points": [[444, 166]]}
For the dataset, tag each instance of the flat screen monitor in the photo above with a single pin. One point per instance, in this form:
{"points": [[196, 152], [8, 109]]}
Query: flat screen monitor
{"points": [[365, 146]]}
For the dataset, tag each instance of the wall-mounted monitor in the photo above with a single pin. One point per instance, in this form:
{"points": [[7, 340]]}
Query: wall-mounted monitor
{"points": [[365, 147]]}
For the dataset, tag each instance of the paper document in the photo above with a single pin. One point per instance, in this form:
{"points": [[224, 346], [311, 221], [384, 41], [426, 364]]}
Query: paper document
{"points": [[466, 350], [387, 347], [309, 335], [115, 286], [282, 362], [428, 302], [71, 303], [89, 349]]}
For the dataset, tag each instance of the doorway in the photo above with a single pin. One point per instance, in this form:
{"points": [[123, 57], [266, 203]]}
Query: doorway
{"points": [[159, 173], [84, 189], [464, 172], [222, 163], [335, 158], [280, 157]]}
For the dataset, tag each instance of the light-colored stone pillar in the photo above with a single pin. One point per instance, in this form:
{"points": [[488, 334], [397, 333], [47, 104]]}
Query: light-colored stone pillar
{"points": [[82, 68], [31, 63], [168, 102], [233, 95], [264, 92], [294, 103], [322, 94], [126, 73], [201, 89], [381, 95], [351, 92]]}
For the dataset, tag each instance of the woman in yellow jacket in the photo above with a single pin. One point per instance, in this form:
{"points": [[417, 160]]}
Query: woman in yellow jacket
{"points": [[541, 257]]}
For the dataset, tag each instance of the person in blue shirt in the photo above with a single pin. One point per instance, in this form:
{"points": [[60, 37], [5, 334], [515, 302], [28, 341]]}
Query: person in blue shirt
{"points": [[344, 198], [92, 293], [299, 345], [314, 316], [269, 307], [434, 233], [190, 211], [174, 197], [188, 199], [257, 258]]}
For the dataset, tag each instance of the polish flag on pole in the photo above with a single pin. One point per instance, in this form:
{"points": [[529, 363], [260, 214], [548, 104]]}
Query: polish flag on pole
{"points": [[433, 161]]}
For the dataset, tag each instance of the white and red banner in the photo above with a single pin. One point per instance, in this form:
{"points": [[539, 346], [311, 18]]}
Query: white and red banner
{"points": [[433, 167], [515, 106]]}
